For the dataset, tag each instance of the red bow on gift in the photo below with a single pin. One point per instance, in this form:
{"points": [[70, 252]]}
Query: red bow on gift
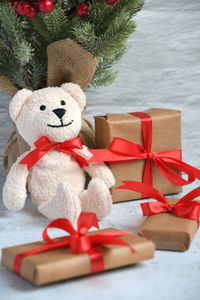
{"points": [[43, 145], [78, 241], [184, 208], [121, 150]]}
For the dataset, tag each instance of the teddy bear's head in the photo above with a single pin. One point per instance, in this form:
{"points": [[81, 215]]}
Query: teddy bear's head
{"points": [[54, 112]]}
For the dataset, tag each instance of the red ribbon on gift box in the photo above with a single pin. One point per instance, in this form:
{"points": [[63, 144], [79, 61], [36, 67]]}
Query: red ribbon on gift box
{"points": [[184, 208], [78, 241], [121, 150], [43, 145]]}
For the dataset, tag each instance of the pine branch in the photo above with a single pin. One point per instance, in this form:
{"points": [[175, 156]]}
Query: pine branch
{"points": [[5, 44], [104, 33], [104, 78], [24, 52], [56, 23], [38, 77], [83, 33], [115, 36], [15, 34], [40, 29], [14, 72], [103, 15], [104, 71]]}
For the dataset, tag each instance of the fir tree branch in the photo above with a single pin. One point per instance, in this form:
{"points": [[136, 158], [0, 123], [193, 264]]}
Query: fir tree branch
{"points": [[115, 36], [15, 34], [83, 33], [56, 23], [104, 33]]}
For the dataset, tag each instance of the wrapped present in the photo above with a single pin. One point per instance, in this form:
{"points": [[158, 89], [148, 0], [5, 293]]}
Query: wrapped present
{"points": [[145, 147], [171, 223], [76, 254]]}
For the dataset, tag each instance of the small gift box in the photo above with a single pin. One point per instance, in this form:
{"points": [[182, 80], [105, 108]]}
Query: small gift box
{"points": [[77, 254], [171, 223], [145, 147]]}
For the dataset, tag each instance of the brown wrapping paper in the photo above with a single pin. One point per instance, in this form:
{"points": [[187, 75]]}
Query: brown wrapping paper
{"points": [[169, 232], [166, 136], [60, 264]]}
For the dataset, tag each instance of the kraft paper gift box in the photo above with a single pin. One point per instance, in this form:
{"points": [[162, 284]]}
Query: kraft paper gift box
{"points": [[171, 223], [169, 232], [61, 263], [166, 136]]}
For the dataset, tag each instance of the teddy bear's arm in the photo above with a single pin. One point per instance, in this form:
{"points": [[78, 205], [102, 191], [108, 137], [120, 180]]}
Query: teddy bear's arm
{"points": [[100, 170], [14, 190], [97, 169]]}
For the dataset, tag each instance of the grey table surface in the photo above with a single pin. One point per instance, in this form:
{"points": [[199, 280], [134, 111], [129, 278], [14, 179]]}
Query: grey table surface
{"points": [[160, 69]]}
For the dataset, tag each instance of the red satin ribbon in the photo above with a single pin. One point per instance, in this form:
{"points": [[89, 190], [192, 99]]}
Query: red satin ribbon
{"points": [[43, 145], [184, 208], [78, 241], [121, 150]]}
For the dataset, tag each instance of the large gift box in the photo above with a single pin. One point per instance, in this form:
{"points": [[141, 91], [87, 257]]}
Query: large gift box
{"points": [[78, 254], [145, 147]]}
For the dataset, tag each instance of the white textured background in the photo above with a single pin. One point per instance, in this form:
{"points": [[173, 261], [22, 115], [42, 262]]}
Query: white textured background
{"points": [[161, 69]]}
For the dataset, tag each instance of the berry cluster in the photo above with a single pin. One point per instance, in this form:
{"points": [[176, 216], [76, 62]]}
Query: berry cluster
{"points": [[31, 8]]}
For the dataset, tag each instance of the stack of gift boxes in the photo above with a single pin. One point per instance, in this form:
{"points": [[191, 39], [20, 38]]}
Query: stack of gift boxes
{"points": [[146, 147], [143, 150]]}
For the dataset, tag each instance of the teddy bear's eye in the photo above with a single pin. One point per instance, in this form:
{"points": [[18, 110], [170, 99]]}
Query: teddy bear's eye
{"points": [[42, 107], [62, 102]]}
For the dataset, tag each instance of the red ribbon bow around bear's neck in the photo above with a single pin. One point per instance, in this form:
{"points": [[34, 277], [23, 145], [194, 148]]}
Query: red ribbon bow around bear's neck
{"points": [[184, 208], [78, 241], [43, 145]]}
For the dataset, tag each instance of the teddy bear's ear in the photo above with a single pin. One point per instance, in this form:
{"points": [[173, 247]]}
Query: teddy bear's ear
{"points": [[17, 102], [75, 92]]}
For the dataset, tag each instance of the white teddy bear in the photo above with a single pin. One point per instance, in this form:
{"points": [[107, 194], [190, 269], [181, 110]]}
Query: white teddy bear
{"points": [[56, 181]]}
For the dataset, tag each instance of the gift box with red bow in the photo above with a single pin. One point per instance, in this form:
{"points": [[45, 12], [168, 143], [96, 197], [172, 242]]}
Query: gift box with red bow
{"points": [[77, 254], [145, 147], [171, 223]]}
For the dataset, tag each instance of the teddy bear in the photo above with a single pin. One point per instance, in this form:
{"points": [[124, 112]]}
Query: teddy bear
{"points": [[56, 179]]}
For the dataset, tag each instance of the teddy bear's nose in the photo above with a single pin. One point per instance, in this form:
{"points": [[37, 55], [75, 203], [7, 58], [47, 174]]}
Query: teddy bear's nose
{"points": [[59, 112]]}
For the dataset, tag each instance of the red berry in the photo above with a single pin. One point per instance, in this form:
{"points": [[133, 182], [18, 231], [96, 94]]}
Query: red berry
{"points": [[36, 5], [82, 9], [46, 6], [13, 2], [26, 9], [111, 2], [32, 13]]}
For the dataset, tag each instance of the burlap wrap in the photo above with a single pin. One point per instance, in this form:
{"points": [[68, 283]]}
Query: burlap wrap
{"points": [[67, 62], [7, 86]]}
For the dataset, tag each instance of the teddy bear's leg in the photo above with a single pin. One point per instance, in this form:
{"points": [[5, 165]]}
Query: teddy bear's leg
{"points": [[65, 204], [97, 198]]}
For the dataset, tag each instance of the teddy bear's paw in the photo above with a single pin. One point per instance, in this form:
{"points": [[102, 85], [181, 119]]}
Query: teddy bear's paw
{"points": [[13, 199], [97, 198], [109, 178], [101, 171], [65, 204]]}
